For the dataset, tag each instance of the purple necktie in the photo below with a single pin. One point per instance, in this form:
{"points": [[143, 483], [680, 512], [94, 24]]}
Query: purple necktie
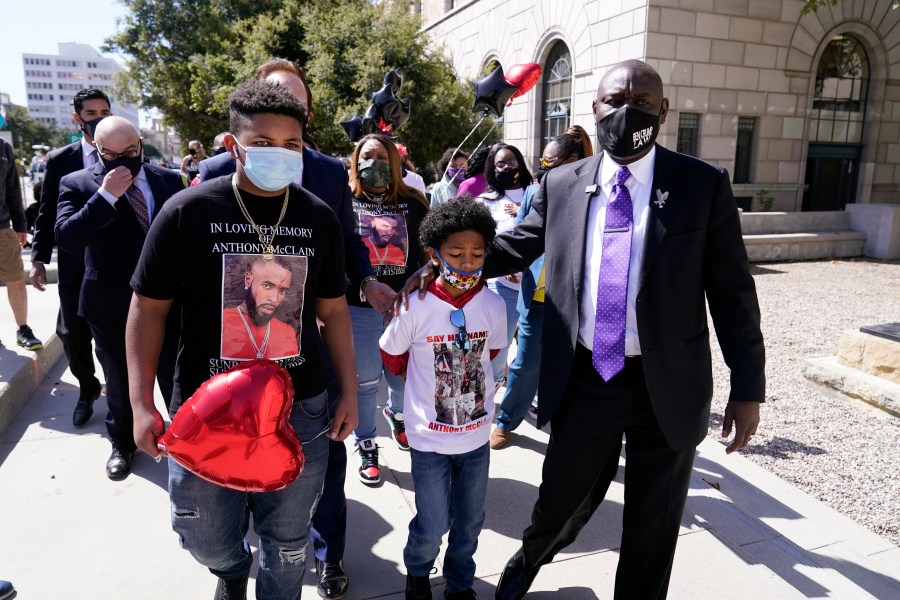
{"points": [[612, 290], [139, 206]]}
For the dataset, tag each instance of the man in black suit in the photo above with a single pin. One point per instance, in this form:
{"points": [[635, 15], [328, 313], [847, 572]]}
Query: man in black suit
{"points": [[104, 212], [637, 362], [91, 106]]}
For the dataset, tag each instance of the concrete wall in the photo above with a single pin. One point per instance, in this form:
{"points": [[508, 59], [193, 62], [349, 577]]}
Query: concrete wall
{"points": [[720, 58]]}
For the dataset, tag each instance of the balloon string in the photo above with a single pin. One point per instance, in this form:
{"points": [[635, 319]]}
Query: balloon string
{"points": [[484, 138], [483, 117], [321, 433]]}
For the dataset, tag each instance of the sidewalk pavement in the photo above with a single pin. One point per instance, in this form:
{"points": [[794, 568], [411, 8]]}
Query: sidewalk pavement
{"points": [[69, 532]]}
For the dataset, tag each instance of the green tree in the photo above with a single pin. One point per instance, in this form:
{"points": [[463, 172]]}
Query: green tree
{"points": [[810, 6], [28, 132], [185, 62]]}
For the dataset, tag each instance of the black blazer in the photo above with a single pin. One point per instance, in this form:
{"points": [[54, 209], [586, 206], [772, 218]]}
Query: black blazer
{"points": [[693, 252], [325, 177], [60, 163], [109, 236]]}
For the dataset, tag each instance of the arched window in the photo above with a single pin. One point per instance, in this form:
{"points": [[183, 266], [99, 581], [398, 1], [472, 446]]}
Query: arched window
{"points": [[557, 93], [839, 101]]}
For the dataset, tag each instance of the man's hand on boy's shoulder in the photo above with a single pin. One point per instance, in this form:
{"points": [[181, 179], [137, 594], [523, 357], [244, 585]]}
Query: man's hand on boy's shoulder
{"points": [[420, 279]]}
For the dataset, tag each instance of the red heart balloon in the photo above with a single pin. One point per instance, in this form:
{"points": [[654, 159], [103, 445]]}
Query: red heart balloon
{"points": [[524, 75], [235, 430]]}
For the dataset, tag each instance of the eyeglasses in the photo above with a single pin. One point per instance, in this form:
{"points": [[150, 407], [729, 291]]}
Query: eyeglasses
{"points": [[549, 162], [111, 156], [458, 320], [502, 164]]}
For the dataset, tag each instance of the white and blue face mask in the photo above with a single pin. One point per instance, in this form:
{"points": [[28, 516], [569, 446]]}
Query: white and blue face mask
{"points": [[272, 169]]}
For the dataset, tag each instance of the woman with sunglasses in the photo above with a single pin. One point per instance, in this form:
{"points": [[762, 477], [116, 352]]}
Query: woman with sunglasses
{"points": [[388, 214], [509, 185], [521, 385]]}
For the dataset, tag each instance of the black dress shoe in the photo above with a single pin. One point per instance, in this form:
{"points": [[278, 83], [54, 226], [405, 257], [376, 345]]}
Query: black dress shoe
{"points": [[6, 590], [333, 582], [85, 407], [119, 464], [516, 578]]}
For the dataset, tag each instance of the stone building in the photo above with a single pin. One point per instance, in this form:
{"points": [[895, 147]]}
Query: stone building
{"points": [[801, 109]]}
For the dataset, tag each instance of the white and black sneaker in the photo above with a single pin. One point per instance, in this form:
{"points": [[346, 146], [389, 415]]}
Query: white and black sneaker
{"points": [[398, 428], [368, 462]]}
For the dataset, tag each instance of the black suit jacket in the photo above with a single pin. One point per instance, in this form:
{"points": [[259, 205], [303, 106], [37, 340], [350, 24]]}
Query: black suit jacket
{"points": [[326, 178], [60, 163], [694, 251], [109, 236]]}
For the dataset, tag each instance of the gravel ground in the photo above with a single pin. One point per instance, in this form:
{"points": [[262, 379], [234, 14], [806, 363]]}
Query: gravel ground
{"points": [[839, 450]]}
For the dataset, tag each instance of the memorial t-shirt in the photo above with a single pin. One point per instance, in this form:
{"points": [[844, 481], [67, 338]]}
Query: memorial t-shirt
{"points": [[391, 234], [202, 250], [449, 392]]}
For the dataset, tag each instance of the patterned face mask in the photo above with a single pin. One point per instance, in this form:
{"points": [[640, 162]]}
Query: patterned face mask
{"points": [[461, 280]]}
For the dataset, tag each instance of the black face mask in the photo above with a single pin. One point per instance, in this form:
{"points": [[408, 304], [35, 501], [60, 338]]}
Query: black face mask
{"points": [[89, 127], [627, 131], [508, 180], [132, 164]]}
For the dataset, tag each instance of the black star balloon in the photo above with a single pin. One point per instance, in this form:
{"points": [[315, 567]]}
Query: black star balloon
{"points": [[493, 92]]}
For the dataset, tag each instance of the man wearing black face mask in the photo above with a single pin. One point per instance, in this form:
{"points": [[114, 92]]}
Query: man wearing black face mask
{"points": [[637, 240], [91, 106], [104, 212]]}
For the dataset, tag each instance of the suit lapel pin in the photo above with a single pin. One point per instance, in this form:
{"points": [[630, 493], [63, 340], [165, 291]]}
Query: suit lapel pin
{"points": [[590, 189], [661, 198]]}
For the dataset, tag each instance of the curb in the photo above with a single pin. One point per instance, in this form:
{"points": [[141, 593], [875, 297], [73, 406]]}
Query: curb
{"points": [[21, 375]]}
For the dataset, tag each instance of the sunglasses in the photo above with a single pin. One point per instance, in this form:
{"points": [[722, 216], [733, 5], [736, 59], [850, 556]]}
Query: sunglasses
{"points": [[458, 320], [549, 162]]}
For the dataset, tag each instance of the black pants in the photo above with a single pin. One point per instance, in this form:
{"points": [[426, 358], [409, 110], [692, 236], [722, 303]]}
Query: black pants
{"points": [[581, 461], [109, 337], [75, 334]]}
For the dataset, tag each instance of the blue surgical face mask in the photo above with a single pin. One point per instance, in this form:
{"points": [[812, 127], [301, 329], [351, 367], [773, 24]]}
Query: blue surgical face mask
{"points": [[461, 280], [272, 169]]}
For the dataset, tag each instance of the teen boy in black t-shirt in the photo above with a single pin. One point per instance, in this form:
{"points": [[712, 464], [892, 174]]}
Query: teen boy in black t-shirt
{"points": [[201, 248]]}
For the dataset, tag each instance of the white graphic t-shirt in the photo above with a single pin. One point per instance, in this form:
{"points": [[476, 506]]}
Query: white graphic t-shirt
{"points": [[449, 393]]}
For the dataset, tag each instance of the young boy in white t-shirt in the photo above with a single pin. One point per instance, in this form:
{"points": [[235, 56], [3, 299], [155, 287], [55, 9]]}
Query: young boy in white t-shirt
{"points": [[444, 345]]}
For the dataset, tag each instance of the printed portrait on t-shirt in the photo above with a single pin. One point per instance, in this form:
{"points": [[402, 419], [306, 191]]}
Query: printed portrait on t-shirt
{"points": [[262, 304], [386, 236], [459, 382]]}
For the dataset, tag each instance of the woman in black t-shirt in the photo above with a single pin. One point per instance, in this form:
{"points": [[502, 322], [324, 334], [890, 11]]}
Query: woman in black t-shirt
{"points": [[388, 215]]}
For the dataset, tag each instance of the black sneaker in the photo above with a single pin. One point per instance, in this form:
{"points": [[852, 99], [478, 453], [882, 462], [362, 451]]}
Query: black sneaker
{"points": [[25, 338], [368, 462], [398, 427], [418, 587]]}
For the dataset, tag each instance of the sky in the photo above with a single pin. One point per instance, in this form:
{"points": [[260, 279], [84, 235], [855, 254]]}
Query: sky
{"points": [[29, 26]]}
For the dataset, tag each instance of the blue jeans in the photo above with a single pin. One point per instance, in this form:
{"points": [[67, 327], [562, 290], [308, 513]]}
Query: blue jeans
{"points": [[211, 521], [450, 491], [510, 297], [522, 383], [368, 325]]}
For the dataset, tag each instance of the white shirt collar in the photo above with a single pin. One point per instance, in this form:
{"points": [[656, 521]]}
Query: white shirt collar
{"points": [[641, 170], [87, 148]]}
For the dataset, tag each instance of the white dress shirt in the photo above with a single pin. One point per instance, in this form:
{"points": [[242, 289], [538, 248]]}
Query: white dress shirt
{"points": [[638, 183], [88, 154], [142, 184]]}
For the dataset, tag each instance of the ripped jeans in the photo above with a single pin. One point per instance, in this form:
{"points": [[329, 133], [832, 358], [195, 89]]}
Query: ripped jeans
{"points": [[212, 521]]}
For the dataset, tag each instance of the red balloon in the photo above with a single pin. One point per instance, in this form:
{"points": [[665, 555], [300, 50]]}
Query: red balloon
{"points": [[524, 75], [235, 430]]}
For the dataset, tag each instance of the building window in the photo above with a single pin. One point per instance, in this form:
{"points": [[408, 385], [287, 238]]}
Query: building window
{"points": [[842, 84], [743, 154], [557, 93], [688, 133], [65, 63]]}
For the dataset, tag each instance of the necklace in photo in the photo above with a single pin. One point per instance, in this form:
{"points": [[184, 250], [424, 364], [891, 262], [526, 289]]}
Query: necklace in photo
{"points": [[261, 347]]}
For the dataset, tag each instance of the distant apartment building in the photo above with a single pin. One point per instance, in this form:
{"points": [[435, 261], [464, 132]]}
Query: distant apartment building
{"points": [[51, 81], [803, 108]]}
